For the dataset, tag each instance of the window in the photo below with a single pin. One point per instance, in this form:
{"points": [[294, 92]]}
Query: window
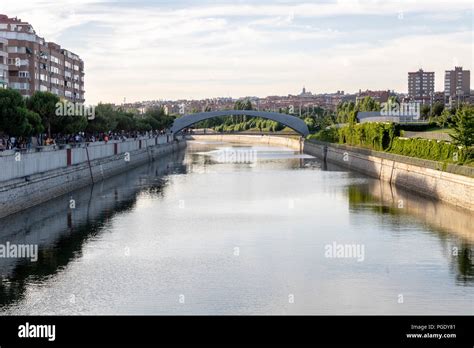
{"points": [[14, 49], [55, 91], [24, 74], [20, 86], [18, 62]]}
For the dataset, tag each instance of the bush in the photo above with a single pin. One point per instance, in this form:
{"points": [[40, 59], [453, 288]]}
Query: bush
{"points": [[374, 135], [434, 150], [329, 135], [385, 137]]}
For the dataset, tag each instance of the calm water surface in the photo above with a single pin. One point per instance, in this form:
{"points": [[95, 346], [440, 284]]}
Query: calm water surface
{"points": [[195, 234]]}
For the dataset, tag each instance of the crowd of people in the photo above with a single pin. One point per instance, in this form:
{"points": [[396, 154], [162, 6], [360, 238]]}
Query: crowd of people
{"points": [[9, 143], [21, 143]]}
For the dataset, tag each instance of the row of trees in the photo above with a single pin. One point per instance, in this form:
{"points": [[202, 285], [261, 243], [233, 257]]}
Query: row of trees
{"points": [[346, 112], [108, 118], [460, 121], [315, 117], [22, 117], [17, 116]]}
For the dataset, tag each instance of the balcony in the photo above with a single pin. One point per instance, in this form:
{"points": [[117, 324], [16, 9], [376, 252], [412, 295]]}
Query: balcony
{"points": [[13, 67]]}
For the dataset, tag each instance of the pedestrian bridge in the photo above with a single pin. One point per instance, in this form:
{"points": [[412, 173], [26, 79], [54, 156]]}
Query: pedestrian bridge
{"points": [[292, 122]]}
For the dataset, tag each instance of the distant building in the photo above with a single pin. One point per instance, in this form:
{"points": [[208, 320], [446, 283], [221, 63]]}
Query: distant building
{"points": [[37, 65], [421, 85], [305, 93], [379, 96], [457, 84]]}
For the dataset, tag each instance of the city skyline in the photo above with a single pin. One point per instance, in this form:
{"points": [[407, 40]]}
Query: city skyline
{"points": [[172, 51]]}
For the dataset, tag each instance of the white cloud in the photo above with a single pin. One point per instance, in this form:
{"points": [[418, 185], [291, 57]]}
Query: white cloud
{"points": [[246, 49]]}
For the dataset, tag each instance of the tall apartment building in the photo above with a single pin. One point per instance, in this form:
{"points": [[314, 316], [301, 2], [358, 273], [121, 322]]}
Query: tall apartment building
{"points": [[3, 63], [37, 65], [457, 84], [421, 85]]}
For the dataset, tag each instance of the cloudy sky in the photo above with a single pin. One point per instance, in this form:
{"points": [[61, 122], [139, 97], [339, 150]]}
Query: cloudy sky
{"points": [[156, 49]]}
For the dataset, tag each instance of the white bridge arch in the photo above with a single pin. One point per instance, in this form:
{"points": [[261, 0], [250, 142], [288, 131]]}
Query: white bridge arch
{"points": [[292, 122]]}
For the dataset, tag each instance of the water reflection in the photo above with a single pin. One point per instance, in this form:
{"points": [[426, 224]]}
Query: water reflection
{"points": [[443, 219], [61, 232], [280, 212]]}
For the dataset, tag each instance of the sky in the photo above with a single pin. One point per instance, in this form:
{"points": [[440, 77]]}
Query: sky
{"points": [[182, 49]]}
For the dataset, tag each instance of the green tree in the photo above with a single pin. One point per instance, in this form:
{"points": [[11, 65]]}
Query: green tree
{"points": [[68, 124], [158, 119], [125, 122], [437, 109], [463, 129], [242, 105], [368, 104], [105, 119], [444, 119], [13, 114], [44, 104], [310, 123], [425, 111], [393, 99], [344, 111], [35, 124]]}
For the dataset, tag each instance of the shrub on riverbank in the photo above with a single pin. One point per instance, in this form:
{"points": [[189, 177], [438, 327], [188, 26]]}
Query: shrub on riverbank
{"points": [[329, 135], [434, 150], [374, 135], [386, 137]]}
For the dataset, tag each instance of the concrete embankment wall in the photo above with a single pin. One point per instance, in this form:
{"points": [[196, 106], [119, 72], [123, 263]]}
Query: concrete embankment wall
{"points": [[421, 176], [292, 143], [32, 178]]}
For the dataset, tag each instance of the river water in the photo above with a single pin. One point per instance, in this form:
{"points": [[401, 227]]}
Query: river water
{"points": [[233, 229]]}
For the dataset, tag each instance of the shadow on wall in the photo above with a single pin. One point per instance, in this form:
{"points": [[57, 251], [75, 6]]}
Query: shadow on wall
{"points": [[416, 184]]}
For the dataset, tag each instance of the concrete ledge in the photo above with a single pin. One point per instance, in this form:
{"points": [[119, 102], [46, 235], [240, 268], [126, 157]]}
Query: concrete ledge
{"points": [[449, 168], [23, 193]]}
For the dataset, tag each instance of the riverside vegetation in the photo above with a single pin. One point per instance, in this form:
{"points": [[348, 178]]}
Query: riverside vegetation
{"points": [[388, 137]]}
